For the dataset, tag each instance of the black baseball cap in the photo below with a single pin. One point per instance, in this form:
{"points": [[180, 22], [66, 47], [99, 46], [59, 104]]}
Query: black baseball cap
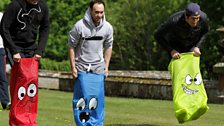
{"points": [[192, 9]]}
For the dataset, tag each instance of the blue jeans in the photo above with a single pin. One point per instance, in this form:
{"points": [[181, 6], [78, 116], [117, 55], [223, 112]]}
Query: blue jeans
{"points": [[4, 95]]}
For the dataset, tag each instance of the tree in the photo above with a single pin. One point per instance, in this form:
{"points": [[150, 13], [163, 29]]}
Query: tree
{"points": [[134, 24], [63, 15], [3, 4]]}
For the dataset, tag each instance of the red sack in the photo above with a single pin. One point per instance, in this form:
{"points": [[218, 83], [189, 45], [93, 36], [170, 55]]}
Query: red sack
{"points": [[24, 93]]}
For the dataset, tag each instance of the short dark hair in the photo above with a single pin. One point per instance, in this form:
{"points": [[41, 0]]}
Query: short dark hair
{"points": [[92, 2]]}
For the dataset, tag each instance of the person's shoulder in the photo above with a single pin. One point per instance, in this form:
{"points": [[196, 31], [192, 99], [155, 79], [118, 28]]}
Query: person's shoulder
{"points": [[176, 16], [12, 7], [43, 4], [13, 4], [79, 24], [203, 16], [108, 24]]}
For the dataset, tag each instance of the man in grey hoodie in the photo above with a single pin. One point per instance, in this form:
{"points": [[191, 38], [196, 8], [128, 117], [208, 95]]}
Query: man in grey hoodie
{"points": [[90, 48], [87, 40]]}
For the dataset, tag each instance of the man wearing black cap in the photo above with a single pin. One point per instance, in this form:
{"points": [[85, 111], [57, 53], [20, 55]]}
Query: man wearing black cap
{"points": [[184, 31], [182, 36]]}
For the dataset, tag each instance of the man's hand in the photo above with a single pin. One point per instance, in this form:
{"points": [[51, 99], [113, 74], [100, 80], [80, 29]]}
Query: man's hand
{"points": [[74, 73], [175, 54], [196, 51], [16, 57], [37, 57], [106, 72]]}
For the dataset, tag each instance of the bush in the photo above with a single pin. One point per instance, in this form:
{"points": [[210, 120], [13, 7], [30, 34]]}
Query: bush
{"points": [[53, 65], [3, 4]]}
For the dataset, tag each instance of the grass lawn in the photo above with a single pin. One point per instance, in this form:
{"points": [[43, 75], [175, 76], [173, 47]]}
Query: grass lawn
{"points": [[55, 109]]}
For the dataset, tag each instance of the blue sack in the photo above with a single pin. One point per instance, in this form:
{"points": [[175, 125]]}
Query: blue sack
{"points": [[88, 99]]}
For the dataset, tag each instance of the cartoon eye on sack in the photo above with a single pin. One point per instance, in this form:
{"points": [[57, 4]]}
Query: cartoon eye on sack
{"points": [[21, 93], [81, 104], [32, 90], [198, 79], [92, 104], [188, 79]]}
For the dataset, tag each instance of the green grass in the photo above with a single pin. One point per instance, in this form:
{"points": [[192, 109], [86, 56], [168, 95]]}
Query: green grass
{"points": [[55, 109]]}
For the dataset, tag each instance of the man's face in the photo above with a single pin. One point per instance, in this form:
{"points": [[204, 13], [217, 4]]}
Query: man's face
{"points": [[193, 20], [34, 2], [97, 12]]}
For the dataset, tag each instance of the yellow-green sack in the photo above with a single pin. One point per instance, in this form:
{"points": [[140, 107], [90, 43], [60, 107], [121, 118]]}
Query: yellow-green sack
{"points": [[189, 95]]}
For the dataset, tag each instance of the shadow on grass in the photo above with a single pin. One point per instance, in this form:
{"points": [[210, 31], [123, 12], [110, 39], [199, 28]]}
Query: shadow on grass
{"points": [[131, 125]]}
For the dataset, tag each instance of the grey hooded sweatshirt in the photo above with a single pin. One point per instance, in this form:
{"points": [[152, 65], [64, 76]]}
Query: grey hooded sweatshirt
{"points": [[89, 41]]}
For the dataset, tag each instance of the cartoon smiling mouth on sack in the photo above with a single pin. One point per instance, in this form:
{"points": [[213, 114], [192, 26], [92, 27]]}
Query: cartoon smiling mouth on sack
{"points": [[188, 91], [84, 117]]}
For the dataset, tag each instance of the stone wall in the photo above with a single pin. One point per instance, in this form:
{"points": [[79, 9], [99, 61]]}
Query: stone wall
{"points": [[134, 84], [139, 84]]}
